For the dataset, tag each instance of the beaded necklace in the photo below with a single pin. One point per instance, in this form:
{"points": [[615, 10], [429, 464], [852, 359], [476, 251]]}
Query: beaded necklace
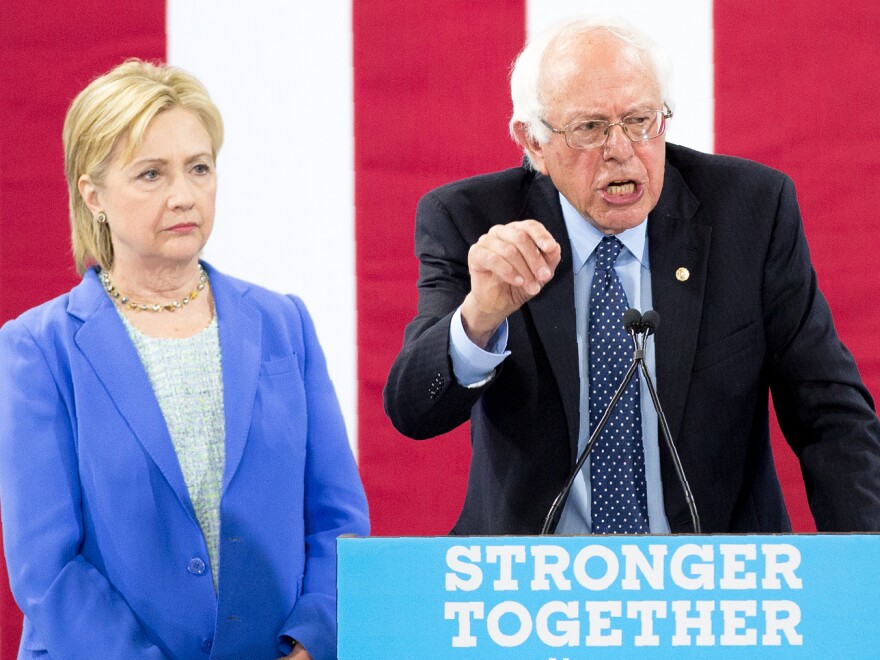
{"points": [[126, 303]]}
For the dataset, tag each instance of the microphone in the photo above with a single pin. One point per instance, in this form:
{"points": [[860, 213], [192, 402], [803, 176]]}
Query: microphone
{"points": [[632, 320], [650, 322], [639, 326]]}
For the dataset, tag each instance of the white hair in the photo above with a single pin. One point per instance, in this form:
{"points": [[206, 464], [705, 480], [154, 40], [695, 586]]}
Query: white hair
{"points": [[528, 69]]}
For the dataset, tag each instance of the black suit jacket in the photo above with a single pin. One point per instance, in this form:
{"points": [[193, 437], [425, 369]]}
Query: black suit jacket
{"points": [[749, 320]]}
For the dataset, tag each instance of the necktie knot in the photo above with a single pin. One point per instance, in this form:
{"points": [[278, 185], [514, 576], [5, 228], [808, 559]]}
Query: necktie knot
{"points": [[607, 252]]}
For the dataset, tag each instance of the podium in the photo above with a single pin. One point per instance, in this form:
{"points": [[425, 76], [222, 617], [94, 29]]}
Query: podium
{"points": [[573, 598]]}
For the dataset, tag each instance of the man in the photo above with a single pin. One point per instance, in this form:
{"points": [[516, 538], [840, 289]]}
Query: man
{"points": [[523, 277]]}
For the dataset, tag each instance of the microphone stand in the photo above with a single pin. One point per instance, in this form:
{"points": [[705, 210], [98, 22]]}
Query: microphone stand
{"points": [[639, 328], [550, 519], [649, 323]]}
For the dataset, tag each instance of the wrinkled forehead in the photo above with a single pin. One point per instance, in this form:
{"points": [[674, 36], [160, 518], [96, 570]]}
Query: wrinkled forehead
{"points": [[596, 67]]}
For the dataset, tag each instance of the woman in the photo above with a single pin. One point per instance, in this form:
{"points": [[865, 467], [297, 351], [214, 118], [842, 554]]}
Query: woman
{"points": [[174, 468]]}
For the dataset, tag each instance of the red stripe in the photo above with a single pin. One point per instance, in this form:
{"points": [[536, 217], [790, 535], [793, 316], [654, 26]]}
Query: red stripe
{"points": [[47, 54], [431, 105], [789, 93]]}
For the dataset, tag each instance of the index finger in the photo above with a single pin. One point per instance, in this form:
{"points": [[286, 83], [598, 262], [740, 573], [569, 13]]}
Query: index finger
{"points": [[542, 238], [516, 244]]}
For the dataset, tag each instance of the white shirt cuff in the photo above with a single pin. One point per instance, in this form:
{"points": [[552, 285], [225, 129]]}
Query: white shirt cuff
{"points": [[472, 365]]}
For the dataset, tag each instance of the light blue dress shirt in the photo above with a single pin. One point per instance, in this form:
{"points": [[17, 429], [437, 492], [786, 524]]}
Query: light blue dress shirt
{"points": [[472, 365]]}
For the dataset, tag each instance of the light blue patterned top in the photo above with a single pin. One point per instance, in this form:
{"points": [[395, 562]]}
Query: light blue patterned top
{"points": [[187, 380]]}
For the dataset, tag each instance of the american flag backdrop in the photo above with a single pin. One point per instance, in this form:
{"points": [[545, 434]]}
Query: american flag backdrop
{"points": [[341, 114]]}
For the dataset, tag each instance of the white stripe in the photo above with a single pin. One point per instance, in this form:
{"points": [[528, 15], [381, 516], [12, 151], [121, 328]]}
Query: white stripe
{"points": [[281, 74], [683, 29]]}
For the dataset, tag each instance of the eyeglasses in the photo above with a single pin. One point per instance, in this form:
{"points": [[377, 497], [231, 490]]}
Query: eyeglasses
{"points": [[592, 133]]}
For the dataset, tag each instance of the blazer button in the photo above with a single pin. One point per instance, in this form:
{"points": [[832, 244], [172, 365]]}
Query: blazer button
{"points": [[436, 386], [196, 566], [207, 643]]}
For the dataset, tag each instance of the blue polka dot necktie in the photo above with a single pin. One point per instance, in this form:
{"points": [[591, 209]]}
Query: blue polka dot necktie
{"points": [[619, 501]]}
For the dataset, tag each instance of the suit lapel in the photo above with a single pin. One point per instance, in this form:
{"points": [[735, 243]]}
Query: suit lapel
{"points": [[676, 241], [106, 345], [241, 349], [552, 310]]}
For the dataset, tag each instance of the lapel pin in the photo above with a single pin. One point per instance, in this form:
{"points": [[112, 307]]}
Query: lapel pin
{"points": [[682, 274]]}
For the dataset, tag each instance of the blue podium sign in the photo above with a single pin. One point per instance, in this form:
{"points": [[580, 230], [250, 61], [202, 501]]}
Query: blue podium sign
{"points": [[573, 598]]}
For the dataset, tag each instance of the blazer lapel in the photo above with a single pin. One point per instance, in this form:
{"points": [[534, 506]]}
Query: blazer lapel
{"points": [[552, 310], [106, 345], [676, 241], [241, 350]]}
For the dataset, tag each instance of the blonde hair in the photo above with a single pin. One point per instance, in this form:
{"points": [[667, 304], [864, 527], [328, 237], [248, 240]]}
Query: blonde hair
{"points": [[121, 104]]}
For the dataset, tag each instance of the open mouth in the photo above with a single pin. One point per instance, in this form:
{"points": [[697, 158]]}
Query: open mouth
{"points": [[621, 187]]}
